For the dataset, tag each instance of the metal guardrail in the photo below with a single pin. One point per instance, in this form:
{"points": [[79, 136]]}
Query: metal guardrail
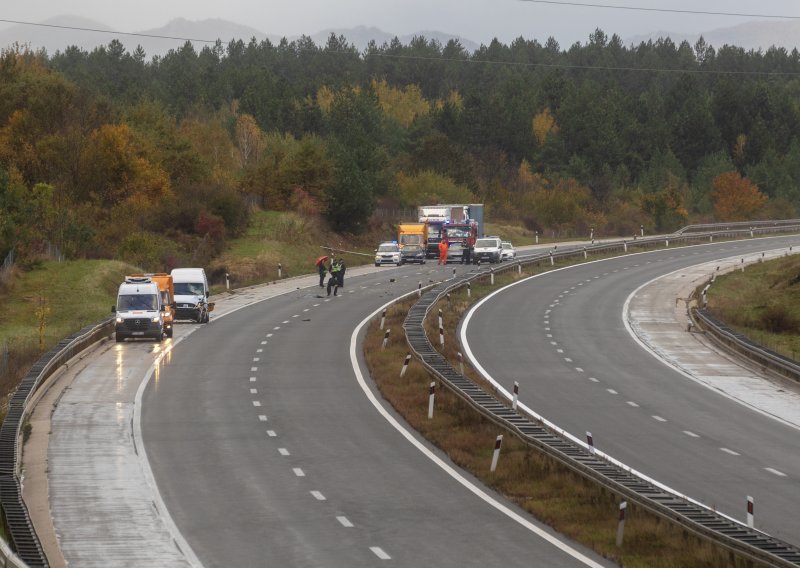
{"points": [[743, 345], [23, 536], [736, 225], [701, 520]]}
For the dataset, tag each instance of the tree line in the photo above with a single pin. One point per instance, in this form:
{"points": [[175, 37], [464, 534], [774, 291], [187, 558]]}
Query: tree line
{"points": [[106, 153]]}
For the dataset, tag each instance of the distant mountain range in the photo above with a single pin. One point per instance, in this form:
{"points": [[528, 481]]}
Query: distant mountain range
{"points": [[55, 34]]}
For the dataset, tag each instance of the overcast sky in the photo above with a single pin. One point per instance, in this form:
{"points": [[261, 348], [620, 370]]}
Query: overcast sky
{"points": [[477, 20]]}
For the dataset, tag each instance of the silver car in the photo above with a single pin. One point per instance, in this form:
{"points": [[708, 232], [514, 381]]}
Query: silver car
{"points": [[509, 252]]}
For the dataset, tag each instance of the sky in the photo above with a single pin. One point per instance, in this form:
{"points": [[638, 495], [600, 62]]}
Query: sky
{"points": [[476, 20]]}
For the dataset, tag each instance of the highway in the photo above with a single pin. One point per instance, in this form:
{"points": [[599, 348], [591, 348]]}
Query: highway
{"points": [[267, 451], [562, 337]]}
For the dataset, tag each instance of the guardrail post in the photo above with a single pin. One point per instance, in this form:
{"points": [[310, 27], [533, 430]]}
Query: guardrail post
{"points": [[497, 443], [454, 274], [440, 318], [762, 258], [751, 231], [625, 244], [441, 335], [431, 394], [666, 241], [469, 290], [491, 275], [750, 512], [519, 268], [280, 268], [227, 282], [711, 238], [405, 365], [383, 317], [552, 262], [641, 228], [386, 338], [461, 362], [584, 253], [419, 289], [742, 265], [537, 237], [621, 524], [516, 396], [590, 441]]}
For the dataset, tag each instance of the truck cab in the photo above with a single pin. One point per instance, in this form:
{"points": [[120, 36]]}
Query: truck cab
{"points": [[139, 312]]}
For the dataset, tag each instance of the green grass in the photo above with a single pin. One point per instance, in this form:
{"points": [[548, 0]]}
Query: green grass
{"points": [[763, 303]]}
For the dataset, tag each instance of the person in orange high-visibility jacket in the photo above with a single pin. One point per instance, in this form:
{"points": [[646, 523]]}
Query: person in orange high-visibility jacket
{"points": [[443, 246]]}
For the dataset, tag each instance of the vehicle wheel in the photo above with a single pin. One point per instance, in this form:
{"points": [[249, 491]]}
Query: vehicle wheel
{"points": [[119, 339], [377, 264], [399, 264]]}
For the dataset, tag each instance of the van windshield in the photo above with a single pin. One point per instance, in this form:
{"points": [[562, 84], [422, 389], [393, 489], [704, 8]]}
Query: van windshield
{"points": [[189, 289], [485, 243], [129, 302]]}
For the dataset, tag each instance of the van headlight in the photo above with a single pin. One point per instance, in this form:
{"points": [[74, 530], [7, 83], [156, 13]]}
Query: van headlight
{"points": [[119, 320], [156, 319]]}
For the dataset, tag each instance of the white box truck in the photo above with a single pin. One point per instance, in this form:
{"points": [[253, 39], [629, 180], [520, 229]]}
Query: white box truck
{"points": [[191, 294], [138, 311]]}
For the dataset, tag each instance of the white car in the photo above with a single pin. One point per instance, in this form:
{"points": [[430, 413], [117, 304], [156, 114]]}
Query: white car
{"points": [[509, 252], [387, 253]]}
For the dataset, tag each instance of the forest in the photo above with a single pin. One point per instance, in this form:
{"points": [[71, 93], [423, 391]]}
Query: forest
{"points": [[109, 154]]}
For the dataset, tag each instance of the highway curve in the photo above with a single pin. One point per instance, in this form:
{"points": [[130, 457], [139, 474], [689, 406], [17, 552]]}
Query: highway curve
{"points": [[561, 336], [267, 452]]}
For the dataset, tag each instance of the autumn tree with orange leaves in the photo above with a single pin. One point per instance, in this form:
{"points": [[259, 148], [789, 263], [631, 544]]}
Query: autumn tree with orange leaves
{"points": [[736, 198]]}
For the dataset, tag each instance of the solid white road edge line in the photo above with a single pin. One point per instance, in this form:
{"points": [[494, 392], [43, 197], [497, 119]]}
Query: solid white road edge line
{"points": [[438, 461]]}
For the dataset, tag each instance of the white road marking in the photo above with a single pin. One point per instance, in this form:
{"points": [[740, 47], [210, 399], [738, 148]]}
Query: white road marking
{"points": [[554, 343], [550, 335], [344, 521], [271, 433], [260, 350], [296, 316], [253, 369], [579, 369], [655, 417], [263, 343], [299, 472], [775, 471], [283, 451], [256, 359], [559, 350], [252, 379], [594, 380], [731, 452], [305, 310], [633, 404], [318, 496], [380, 553], [547, 329], [262, 417], [611, 391], [287, 321], [253, 391], [276, 328], [567, 359], [691, 434], [256, 403], [316, 305], [269, 335]]}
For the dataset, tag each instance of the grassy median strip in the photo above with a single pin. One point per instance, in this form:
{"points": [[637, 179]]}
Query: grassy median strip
{"points": [[553, 493]]}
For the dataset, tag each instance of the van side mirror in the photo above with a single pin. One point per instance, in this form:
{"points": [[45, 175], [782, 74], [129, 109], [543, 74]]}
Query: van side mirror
{"points": [[113, 309]]}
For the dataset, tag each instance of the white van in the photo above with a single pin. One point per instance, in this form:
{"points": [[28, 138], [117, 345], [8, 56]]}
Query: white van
{"points": [[191, 294], [139, 312], [487, 249]]}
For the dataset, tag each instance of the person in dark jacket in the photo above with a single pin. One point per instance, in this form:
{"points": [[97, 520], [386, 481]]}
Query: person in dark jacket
{"points": [[333, 281], [342, 268], [322, 272]]}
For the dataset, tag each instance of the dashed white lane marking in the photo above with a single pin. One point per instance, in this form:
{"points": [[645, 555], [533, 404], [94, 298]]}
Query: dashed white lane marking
{"points": [[263, 343], [318, 496], [296, 316], [554, 343], [256, 403], [633, 404], [550, 335], [655, 417], [276, 328], [731, 452], [253, 369], [259, 350], [611, 391], [547, 329], [567, 359], [305, 310], [269, 335], [262, 417], [252, 379], [256, 359], [316, 305], [380, 553], [578, 369], [283, 451], [594, 380], [327, 300], [299, 472], [271, 433], [253, 391], [286, 321], [344, 521], [691, 434], [775, 471], [559, 350]]}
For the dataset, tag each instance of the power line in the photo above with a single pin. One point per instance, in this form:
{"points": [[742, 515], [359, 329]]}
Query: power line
{"points": [[77, 28], [662, 10]]}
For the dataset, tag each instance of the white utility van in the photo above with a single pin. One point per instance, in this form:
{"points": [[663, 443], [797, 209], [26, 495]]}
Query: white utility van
{"points": [[487, 249], [139, 312], [191, 294]]}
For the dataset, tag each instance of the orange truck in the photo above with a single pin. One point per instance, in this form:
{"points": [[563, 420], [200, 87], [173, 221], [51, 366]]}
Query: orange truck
{"points": [[167, 288]]}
